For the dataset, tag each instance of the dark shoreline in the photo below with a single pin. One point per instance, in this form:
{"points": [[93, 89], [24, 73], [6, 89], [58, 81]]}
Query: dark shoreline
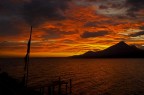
{"points": [[11, 86]]}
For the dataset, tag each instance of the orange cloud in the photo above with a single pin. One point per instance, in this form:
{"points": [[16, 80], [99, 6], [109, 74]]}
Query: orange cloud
{"points": [[64, 37]]}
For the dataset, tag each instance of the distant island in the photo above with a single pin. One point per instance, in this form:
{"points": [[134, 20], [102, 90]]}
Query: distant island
{"points": [[119, 50]]}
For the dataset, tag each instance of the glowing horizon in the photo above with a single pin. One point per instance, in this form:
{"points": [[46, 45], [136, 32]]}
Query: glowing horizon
{"points": [[69, 27]]}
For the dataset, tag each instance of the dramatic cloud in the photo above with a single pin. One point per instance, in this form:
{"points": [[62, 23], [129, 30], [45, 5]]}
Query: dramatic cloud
{"points": [[35, 11], [54, 33], [38, 11], [11, 26], [134, 6], [9, 7], [10, 18], [141, 27], [87, 34], [91, 24], [66, 27], [137, 34], [103, 7], [15, 14]]}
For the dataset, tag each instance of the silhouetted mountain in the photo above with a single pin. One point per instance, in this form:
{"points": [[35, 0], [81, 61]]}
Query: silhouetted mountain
{"points": [[119, 50]]}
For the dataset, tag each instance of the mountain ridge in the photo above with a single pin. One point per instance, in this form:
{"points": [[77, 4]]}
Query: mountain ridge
{"points": [[119, 50]]}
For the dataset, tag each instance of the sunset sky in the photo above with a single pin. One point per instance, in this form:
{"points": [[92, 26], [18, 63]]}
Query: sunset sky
{"points": [[69, 27]]}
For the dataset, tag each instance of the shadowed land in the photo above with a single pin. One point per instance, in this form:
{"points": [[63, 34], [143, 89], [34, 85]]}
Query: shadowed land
{"points": [[11, 86], [119, 50]]}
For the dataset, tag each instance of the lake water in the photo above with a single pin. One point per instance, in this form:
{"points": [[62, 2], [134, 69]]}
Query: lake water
{"points": [[89, 76]]}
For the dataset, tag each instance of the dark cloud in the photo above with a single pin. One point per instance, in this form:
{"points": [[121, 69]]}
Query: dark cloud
{"points": [[15, 46], [101, 23], [10, 27], [10, 44], [34, 11], [54, 33], [141, 27], [134, 6], [103, 7], [137, 34], [67, 41], [10, 18], [15, 13], [98, 23], [118, 5], [88, 34], [91, 24], [9, 7], [38, 11]]}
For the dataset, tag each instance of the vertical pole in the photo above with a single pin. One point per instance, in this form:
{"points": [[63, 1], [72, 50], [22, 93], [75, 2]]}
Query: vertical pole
{"points": [[26, 68], [70, 86], [27, 65], [27, 73]]}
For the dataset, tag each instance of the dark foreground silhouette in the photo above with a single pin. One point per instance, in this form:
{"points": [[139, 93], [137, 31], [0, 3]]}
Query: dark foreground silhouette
{"points": [[10, 86], [119, 50]]}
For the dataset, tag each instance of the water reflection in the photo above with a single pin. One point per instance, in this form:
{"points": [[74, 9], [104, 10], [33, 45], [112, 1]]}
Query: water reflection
{"points": [[90, 76]]}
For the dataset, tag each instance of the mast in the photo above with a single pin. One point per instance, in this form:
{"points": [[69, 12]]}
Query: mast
{"points": [[27, 57]]}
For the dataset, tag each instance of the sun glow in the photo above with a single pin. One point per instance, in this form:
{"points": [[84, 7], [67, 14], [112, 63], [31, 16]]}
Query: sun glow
{"points": [[79, 27]]}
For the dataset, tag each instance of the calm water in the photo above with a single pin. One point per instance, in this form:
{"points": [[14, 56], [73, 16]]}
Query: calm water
{"points": [[89, 76]]}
